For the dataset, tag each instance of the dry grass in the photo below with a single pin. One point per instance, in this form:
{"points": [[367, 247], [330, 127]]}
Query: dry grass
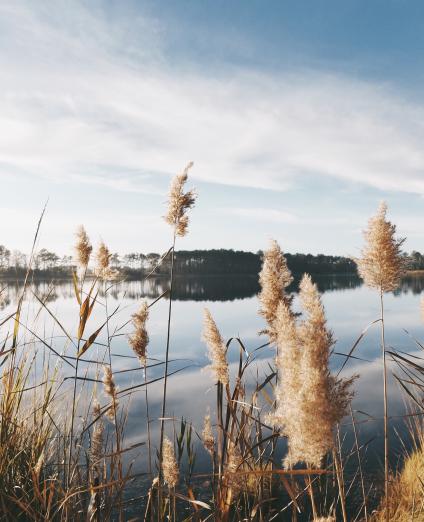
{"points": [[65, 463]]}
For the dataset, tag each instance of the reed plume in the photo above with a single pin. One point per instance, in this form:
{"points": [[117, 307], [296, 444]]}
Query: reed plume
{"points": [[96, 447], [381, 267], [381, 264], [179, 202], [169, 464], [217, 351], [207, 435], [103, 269], [140, 338], [83, 247], [274, 278], [233, 479], [288, 368], [111, 391], [310, 401]]}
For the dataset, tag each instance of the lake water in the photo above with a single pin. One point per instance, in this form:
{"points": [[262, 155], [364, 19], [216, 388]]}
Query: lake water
{"points": [[350, 307]]}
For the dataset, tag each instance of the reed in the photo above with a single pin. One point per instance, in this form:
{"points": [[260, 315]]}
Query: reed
{"points": [[381, 266], [274, 438]]}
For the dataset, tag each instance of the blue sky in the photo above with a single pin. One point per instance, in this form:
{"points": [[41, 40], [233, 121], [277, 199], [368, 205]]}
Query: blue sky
{"points": [[299, 117]]}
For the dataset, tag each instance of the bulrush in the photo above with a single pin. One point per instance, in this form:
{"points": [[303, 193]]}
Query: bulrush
{"points": [[207, 435], [310, 401], [179, 202], [274, 278], [216, 348], [169, 464], [381, 264], [83, 247], [110, 391], [140, 338]]}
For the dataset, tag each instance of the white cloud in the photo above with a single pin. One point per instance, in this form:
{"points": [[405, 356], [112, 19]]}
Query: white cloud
{"points": [[80, 96], [262, 214]]}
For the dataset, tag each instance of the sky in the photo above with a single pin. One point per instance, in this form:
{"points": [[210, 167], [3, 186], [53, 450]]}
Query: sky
{"points": [[300, 117]]}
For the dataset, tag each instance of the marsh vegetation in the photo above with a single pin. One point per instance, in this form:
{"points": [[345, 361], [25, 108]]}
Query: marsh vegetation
{"points": [[91, 432]]}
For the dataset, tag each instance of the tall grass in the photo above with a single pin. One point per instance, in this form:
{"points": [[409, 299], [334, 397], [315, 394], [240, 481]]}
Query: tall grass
{"points": [[274, 439]]}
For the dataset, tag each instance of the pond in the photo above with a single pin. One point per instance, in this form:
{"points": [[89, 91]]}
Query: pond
{"points": [[350, 308]]}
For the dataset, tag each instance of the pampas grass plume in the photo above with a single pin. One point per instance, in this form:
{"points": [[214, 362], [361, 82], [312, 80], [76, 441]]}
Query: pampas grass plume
{"points": [[83, 247], [140, 338], [179, 202], [207, 435], [216, 348], [169, 464], [111, 391], [274, 278], [381, 265]]}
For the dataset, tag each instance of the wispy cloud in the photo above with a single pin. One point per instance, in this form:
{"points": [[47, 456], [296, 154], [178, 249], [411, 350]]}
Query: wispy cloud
{"points": [[81, 93], [261, 214]]}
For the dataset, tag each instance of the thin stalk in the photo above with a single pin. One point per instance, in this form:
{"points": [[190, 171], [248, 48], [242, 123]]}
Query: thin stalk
{"points": [[74, 394], [148, 420], [165, 376], [340, 479], [117, 434], [386, 439], [359, 464], [71, 434], [311, 494]]}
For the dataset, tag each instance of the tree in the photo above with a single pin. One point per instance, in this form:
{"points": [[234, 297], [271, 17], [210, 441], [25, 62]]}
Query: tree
{"points": [[4, 257]]}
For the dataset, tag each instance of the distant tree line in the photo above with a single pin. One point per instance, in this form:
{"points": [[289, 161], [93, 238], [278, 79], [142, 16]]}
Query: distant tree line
{"points": [[189, 262]]}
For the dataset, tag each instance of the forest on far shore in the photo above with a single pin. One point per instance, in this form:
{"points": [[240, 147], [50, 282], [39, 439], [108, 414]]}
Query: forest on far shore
{"points": [[187, 262]]}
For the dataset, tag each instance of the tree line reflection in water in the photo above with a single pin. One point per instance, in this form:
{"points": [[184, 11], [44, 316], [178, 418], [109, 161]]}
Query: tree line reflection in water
{"points": [[214, 288]]}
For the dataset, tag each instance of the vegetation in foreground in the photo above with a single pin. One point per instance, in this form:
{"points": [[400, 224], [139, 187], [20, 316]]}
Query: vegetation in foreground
{"points": [[61, 463]]}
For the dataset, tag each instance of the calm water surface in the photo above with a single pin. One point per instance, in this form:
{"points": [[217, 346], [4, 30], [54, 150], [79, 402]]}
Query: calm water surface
{"points": [[350, 307]]}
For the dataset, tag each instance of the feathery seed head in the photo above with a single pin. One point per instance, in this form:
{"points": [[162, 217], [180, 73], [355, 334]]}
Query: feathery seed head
{"points": [[96, 448], [111, 391], [234, 464], [274, 278], [169, 464], [207, 435], [287, 364], [140, 338], [381, 265], [216, 348], [83, 247], [179, 202], [103, 269], [309, 400]]}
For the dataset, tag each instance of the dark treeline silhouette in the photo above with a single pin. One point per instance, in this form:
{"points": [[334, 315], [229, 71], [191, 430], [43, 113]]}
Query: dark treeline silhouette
{"points": [[227, 262], [13, 264]]}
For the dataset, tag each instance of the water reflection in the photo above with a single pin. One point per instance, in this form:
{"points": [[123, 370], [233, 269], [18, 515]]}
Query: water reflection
{"points": [[349, 305], [213, 288]]}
